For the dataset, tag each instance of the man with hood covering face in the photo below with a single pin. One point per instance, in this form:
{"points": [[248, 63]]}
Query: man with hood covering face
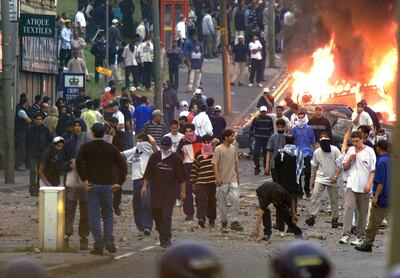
{"points": [[139, 157], [324, 175]]}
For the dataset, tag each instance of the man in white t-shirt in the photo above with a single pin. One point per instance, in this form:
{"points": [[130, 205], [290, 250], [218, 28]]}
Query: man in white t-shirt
{"points": [[80, 21], [325, 173], [118, 114], [181, 30], [255, 48], [360, 162], [174, 134], [139, 157], [360, 117]]}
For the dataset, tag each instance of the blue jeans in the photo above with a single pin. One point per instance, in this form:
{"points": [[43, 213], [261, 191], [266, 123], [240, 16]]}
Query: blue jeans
{"points": [[259, 145], [100, 204], [141, 207]]}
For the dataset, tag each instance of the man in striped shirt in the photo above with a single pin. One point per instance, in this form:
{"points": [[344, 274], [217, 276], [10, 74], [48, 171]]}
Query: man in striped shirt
{"points": [[202, 179], [155, 127]]}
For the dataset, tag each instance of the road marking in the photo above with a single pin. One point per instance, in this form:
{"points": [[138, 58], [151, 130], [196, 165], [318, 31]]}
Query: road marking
{"points": [[147, 248], [124, 255]]}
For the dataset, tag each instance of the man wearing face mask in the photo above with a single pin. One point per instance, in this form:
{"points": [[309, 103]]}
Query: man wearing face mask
{"points": [[325, 174], [381, 135], [305, 139], [165, 174]]}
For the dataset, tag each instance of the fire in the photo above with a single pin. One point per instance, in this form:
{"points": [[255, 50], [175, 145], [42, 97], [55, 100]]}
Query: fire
{"points": [[319, 84]]}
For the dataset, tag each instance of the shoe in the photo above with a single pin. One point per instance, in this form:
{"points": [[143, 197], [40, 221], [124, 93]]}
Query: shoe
{"points": [[66, 242], [188, 218], [117, 211], [310, 221], [98, 252], [235, 226], [232, 83], [276, 227], [84, 244], [202, 223], [364, 248], [266, 237], [257, 171], [147, 232], [354, 230], [111, 248], [260, 85], [240, 84], [308, 195], [224, 228], [251, 85], [359, 241], [211, 223], [166, 245], [335, 224], [345, 239]]}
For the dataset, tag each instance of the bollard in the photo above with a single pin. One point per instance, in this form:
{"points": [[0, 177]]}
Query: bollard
{"points": [[51, 217]]}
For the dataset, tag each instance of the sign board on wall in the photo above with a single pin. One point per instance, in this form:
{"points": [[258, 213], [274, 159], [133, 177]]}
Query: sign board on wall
{"points": [[73, 83], [13, 10], [36, 25]]}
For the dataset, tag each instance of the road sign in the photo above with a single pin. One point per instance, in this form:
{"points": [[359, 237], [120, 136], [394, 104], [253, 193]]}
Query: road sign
{"points": [[73, 83], [104, 71]]}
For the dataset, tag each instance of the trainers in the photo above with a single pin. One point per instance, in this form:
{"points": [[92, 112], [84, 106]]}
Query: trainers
{"points": [[308, 195], [147, 232], [166, 245], [202, 223], [84, 244], [260, 85], [251, 85], [335, 224], [310, 221], [345, 239], [211, 223], [359, 241], [111, 248], [224, 228], [364, 248], [98, 252], [257, 171], [236, 226], [266, 237], [279, 228]]}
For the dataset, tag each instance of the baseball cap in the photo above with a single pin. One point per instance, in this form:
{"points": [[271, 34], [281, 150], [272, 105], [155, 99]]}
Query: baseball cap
{"points": [[198, 92], [240, 37], [114, 21], [184, 113], [58, 139], [184, 103], [157, 113], [263, 109], [107, 89], [166, 143], [266, 90], [132, 89], [217, 108], [99, 129]]}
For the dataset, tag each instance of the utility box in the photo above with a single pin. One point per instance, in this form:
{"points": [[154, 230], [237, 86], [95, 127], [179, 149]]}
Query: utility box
{"points": [[51, 217]]}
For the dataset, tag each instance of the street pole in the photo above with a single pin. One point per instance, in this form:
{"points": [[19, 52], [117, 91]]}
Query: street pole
{"points": [[271, 32], [157, 54], [394, 257], [225, 59], [7, 95], [107, 39]]}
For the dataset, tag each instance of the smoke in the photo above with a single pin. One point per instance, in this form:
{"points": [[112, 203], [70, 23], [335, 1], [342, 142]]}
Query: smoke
{"points": [[362, 29]]}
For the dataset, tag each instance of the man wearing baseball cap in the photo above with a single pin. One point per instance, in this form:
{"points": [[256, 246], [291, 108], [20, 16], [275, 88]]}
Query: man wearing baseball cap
{"points": [[49, 171], [166, 175], [218, 122], [261, 130], [240, 57], [267, 99]]}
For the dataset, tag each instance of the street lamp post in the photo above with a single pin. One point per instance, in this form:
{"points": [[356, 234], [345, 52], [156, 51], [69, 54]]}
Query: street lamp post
{"points": [[225, 59]]}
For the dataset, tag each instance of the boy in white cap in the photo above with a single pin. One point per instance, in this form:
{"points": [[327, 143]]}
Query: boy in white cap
{"points": [[239, 57]]}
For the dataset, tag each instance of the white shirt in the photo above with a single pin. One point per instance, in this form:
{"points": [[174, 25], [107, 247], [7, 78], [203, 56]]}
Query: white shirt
{"points": [[139, 157], [361, 167], [22, 114], [175, 140], [80, 19], [146, 51], [255, 45], [294, 118], [129, 56], [121, 119], [181, 30], [203, 124], [365, 119], [141, 31], [326, 163]]}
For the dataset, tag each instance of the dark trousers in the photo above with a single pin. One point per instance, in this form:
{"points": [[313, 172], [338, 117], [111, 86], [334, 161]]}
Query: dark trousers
{"points": [[65, 56], [174, 77], [20, 150], [206, 202], [147, 71], [131, 70], [256, 70], [188, 208], [162, 216], [280, 221], [97, 63], [260, 146], [34, 163], [141, 206], [284, 213], [168, 115], [117, 195], [70, 210], [307, 175], [274, 175]]}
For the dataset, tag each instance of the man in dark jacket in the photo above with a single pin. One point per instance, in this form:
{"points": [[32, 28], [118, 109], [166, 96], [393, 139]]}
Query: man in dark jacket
{"points": [[261, 129], [99, 51], [22, 122], [175, 55], [319, 123], [372, 114], [170, 101], [273, 193], [218, 123], [38, 137]]}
